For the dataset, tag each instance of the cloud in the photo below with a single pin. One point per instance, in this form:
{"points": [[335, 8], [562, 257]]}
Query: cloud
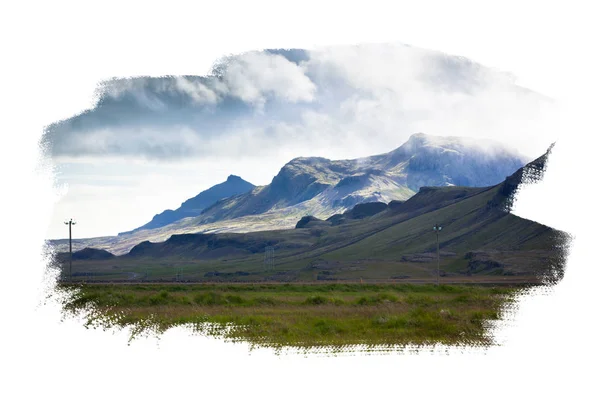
{"points": [[253, 76], [198, 92], [179, 142], [335, 100]]}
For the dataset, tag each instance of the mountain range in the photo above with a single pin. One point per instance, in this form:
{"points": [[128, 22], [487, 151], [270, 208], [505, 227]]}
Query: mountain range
{"points": [[374, 240], [322, 188]]}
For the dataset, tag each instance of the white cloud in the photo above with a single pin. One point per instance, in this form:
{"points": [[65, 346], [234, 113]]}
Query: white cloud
{"points": [[199, 92], [255, 75], [251, 77], [371, 96], [392, 91], [138, 88], [368, 68]]}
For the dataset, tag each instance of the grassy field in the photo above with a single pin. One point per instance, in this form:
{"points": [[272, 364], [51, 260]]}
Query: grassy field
{"points": [[299, 315]]}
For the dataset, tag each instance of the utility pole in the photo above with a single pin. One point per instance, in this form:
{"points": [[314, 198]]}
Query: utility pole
{"points": [[269, 258], [70, 223], [437, 228]]}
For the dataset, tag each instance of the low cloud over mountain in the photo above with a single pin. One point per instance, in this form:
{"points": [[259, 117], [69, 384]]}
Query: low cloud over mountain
{"points": [[262, 99]]}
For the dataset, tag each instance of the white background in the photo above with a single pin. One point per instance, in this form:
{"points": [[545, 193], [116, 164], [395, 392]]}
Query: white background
{"points": [[54, 53]]}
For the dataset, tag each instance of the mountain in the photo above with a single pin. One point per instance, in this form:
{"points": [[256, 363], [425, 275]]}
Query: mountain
{"points": [[87, 253], [480, 237], [234, 185], [321, 188]]}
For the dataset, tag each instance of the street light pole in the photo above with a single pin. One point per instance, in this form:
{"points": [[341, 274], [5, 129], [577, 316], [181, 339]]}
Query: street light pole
{"points": [[70, 223], [437, 228]]}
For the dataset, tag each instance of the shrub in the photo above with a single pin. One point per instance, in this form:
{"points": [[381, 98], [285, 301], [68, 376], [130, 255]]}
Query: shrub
{"points": [[317, 300], [338, 302], [327, 327], [390, 322], [379, 299], [263, 301], [463, 298], [419, 300], [387, 297], [209, 299], [178, 288], [363, 301], [161, 298], [234, 299]]}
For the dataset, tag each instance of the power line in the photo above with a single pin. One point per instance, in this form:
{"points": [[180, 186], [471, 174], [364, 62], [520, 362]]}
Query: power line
{"points": [[269, 258], [437, 228], [70, 223]]}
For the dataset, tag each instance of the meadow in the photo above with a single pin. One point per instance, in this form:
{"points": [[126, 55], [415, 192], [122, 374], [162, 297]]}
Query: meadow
{"points": [[299, 315]]}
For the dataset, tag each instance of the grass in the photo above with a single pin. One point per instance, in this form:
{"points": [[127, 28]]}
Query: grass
{"points": [[299, 315]]}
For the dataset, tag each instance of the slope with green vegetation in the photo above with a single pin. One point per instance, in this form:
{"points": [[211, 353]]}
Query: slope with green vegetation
{"points": [[479, 238]]}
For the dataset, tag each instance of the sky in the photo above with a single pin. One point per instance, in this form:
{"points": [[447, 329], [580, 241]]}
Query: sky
{"points": [[150, 143], [56, 56]]}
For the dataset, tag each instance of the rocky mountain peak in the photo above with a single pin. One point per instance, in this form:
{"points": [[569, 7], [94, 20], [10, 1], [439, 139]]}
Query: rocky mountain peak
{"points": [[233, 178]]}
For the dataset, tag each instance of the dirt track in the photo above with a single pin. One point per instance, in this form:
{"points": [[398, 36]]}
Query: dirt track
{"points": [[484, 280]]}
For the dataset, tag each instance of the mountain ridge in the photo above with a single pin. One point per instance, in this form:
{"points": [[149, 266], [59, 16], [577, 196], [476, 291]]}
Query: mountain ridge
{"points": [[424, 160], [322, 187], [195, 205], [379, 241]]}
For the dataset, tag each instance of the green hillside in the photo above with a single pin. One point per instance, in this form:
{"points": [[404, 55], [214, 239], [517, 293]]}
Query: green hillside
{"points": [[373, 242]]}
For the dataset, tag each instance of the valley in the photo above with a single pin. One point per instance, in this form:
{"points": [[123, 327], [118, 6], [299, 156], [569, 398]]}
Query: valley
{"points": [[372, 241], [369, 273]]}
